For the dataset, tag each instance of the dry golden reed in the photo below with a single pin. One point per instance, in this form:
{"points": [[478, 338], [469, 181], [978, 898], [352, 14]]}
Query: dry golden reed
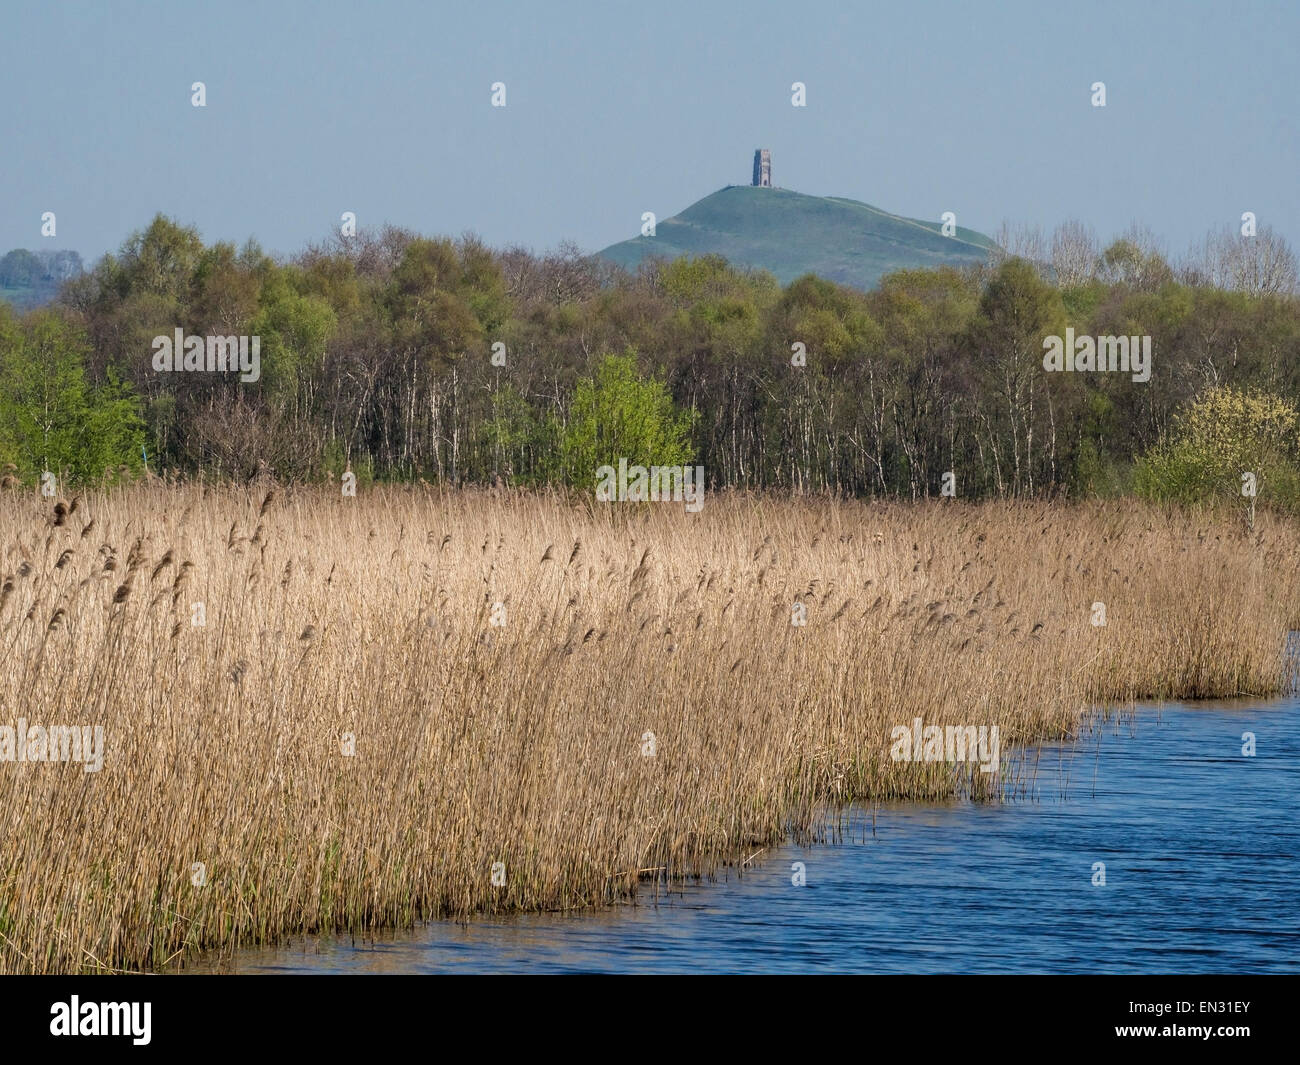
{"points": [[522, 743]]}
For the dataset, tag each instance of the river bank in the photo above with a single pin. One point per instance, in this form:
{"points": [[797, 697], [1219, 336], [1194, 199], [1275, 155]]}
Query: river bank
{"points": [[348, 713], [1199, 843]]}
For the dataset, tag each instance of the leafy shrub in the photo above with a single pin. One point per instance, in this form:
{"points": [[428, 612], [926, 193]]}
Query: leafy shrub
{"points": [[1217, 439]]}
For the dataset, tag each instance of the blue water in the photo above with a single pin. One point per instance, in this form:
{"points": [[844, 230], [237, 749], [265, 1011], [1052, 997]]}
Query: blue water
{"points": [[1200, 845]]}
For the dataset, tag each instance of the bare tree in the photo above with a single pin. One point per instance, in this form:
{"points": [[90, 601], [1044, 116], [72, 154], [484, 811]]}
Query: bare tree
{"points": [[374, 252], [1262, 264], [1020, 241], [562, 276], [1074, 253]]}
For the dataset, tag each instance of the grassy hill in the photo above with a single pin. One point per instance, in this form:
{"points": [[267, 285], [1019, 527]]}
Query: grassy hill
{"points": [[791, 234]]}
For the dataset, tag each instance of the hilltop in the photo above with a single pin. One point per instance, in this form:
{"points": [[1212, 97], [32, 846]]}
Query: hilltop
{"points": [[791, 234]]}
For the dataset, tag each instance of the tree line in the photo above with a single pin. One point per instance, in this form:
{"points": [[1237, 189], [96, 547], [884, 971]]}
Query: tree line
{"points": [[400, 357]]}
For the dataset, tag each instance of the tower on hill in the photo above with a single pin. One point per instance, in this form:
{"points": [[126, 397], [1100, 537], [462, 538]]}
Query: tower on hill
{"points": [[763, 169]]}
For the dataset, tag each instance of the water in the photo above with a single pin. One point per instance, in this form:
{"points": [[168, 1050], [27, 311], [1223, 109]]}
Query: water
{"points": [[1200, 846]]}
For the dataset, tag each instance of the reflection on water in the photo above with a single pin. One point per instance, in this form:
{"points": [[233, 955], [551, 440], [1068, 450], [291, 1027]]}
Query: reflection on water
{"points": [[1200, 846]]}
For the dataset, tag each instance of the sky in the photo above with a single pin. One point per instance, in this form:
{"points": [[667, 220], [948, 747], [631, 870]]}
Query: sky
{"points": [[384, 109]]}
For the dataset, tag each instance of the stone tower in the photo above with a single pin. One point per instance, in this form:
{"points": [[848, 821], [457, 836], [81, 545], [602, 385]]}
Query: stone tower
{"points": [[762, 169]]}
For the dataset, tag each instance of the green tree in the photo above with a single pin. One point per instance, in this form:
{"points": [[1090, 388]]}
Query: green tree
{"points": [[1018, 309], [50, 417], [19, 269], [161, 259], [519, 443], [1226, 440], [617, 414], [294, 330]]}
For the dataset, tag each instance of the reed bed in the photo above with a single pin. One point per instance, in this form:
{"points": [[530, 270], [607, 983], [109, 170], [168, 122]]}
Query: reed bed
{"points": [[525, 743]]}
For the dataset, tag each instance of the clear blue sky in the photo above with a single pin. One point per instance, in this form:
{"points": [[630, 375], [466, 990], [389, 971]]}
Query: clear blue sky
{"points": [[383, 108]]}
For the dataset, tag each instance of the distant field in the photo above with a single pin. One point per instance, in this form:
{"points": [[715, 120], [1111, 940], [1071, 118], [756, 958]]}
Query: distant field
{"points": [[790, 234], [410, 704]]}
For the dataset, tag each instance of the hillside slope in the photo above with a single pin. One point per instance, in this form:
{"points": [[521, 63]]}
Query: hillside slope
{"points": [[792, 234]]}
